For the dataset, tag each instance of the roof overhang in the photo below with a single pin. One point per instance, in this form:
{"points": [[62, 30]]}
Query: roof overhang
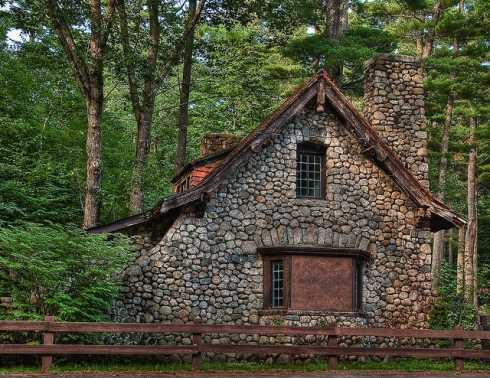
{"points": [[122, 224]]}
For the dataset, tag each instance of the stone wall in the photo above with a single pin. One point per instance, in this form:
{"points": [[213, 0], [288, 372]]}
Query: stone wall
{"points": [[394, 103], [208, 268]]}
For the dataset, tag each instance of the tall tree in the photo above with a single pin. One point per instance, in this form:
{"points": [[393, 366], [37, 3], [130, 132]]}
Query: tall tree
{"points": [[181, 154], [460, 261], [470, 250], [438, 242], [88, 70], [439, 237], [143, 105], [428, 41], [336, 24], [152, 72]]}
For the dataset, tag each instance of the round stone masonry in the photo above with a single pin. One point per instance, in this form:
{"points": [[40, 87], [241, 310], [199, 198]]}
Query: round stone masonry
{"points": [[206, 266], [394, 104]]}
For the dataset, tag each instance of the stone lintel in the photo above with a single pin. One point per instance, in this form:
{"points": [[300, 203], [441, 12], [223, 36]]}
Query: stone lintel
{"points": [[313, 250]]}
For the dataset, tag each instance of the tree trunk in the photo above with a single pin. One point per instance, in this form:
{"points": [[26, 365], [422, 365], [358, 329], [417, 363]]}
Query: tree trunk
{"points": [[95, 102], [450, 250], [419, 43], [88, 72], [181, 155], [438, 246], [143, 113], [470, 242], [437, 251], [475, 257], [336, 24], [429, 40], [460, 268], [136, 198], [93, 149], [334, 21]]}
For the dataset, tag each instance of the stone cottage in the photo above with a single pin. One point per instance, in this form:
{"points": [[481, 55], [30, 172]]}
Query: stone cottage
{"points": [[320, 213]]}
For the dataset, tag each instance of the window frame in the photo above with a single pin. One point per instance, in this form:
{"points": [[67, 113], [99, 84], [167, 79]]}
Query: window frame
{"points": [[315, 149], [277, 283], [267, 281], [183, 185], [285, 254]]}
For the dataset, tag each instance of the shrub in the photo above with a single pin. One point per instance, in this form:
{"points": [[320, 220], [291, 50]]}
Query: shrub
{"points": [[451, 309], [60, 271]]}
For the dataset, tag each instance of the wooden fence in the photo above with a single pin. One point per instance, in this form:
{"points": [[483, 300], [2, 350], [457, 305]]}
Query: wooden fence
{"points": [[50, 328]]}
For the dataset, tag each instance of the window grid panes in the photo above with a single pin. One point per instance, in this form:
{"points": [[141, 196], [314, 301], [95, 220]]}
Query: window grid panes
{"points": [[308, 175], [277, 284]]}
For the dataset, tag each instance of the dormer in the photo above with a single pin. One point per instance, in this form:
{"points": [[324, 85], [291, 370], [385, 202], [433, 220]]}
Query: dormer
{"points": [[212, 151]]}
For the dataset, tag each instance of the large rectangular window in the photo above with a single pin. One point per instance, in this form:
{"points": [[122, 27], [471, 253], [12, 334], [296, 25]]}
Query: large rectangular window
{"points": [[310, 162], [312, 282]]}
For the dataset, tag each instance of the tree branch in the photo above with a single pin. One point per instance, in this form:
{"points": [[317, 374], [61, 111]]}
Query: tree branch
{"points": [[65, 36], [111, 5], [154, 42], [179, 46], [128, 59]]}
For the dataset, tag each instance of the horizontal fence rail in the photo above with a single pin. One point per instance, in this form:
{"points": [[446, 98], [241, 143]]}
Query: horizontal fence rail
{"points": [[49, 328]]}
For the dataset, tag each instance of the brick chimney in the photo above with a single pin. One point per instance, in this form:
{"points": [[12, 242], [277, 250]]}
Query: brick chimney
{"points": [[394, 104], [213, 143]]}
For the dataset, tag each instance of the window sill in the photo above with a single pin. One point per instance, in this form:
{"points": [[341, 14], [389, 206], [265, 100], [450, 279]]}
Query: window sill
{"points": [[310, 202]]}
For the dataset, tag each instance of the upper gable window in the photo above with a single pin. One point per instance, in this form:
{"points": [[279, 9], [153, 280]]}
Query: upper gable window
{"points": [[310, 170]]}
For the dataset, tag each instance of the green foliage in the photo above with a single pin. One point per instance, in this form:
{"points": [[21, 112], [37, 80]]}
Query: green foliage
{"points": [[48, 265], [61, 271], [34, 186], [41, 155], [465, 75], [240, 78], [360, 43], [451, 309], [484, 287], [248, 56]]}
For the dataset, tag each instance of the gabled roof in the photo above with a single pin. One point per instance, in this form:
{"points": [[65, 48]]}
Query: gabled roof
{"points": [[324, 89]]}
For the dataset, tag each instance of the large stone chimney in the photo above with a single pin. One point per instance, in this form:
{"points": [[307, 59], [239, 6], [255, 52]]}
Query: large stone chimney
{"points": [[394, 104]]}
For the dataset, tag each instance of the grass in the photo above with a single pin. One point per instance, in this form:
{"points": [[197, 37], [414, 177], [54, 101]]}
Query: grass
{"points": [[412, 364], [123, 365]]}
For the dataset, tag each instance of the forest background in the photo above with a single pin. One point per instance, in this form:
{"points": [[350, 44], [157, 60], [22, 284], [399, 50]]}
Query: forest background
{"points": [[102, 101]]}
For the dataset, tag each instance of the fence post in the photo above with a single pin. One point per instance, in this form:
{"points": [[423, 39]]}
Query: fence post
{"points": [[459, 344], [196, 356], [48, 339], [332, 341]]}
